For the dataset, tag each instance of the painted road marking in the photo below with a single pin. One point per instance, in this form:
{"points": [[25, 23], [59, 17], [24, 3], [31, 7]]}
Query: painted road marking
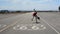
{"points": [[2, 25], [18, 25], [23, 28], [11, 24], [29, 27], [35, 27], [50, 25], [42, 25]]}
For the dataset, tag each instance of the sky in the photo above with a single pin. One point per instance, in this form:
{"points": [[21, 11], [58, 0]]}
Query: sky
{"points": [[29, 4]]}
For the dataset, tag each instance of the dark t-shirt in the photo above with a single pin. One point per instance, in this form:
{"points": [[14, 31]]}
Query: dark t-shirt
{"points": [[34, 14]]}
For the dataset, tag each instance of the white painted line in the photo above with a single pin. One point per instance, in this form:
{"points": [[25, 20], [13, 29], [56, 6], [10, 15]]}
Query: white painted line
{"points": [[18, 25], [23, 28], [4, 25], [35, 27], [28, 27], [49, 25], [42, 25], [14, 28]]}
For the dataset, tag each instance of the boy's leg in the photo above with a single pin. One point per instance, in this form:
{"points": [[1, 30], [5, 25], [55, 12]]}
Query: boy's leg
{"points": [[32, 18], [36, 18]]}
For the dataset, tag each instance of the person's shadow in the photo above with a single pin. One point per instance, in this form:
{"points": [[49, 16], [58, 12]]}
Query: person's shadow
{"points": [[37, 22]]}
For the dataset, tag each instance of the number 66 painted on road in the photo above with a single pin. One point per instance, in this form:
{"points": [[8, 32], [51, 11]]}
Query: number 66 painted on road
{"points": [[18, 27]]}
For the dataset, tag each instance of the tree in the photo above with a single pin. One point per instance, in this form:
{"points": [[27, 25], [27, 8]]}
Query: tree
{"points": [[18, 11]]}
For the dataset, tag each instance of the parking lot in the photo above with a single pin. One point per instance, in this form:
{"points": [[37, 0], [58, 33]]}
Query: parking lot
{"points": [[22, 24]]}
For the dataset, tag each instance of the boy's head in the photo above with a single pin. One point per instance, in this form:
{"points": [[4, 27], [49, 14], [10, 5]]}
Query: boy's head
{"points": [[34, 10]]}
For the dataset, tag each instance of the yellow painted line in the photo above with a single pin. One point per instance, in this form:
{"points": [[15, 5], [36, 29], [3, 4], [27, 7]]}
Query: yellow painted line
{"points": [[8, 26], [11, 24]]}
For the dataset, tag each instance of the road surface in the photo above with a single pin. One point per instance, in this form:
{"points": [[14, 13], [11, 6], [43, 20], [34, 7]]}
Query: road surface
{"points": [[22, 24]]}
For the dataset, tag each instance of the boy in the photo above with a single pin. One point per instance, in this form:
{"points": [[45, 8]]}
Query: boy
{"points": [[35, 15]]}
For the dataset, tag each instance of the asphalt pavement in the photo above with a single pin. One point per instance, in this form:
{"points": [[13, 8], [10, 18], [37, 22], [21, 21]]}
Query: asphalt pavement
{"points": [[22, 24]]}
